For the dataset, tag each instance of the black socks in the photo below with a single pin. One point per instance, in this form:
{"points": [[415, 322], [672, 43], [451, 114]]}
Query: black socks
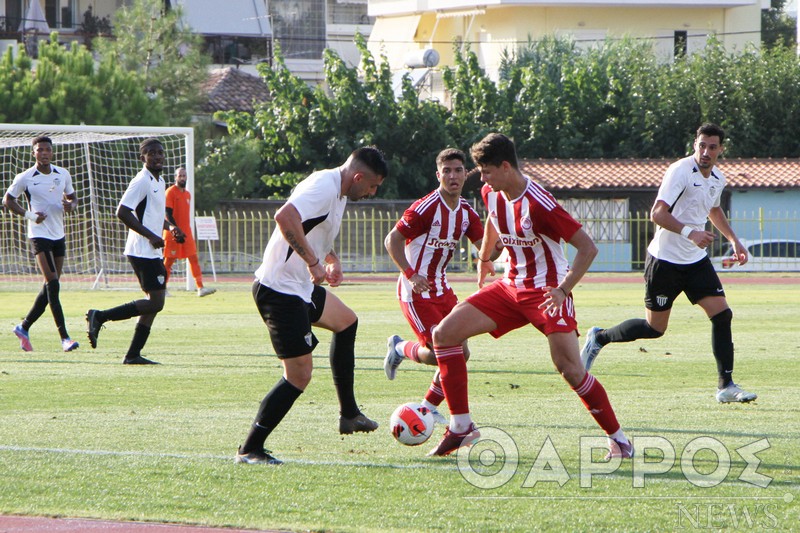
{"points": [[273, 408], [722, 345], [343, 364], [630, 330]]}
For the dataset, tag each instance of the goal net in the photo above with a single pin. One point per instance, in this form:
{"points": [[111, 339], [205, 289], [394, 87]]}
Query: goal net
{"points": [[102, 161]]}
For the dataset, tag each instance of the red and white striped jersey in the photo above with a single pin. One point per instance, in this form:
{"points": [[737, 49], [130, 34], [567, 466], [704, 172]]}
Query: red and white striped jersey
{"points": [[531, 228], [433, 232]]}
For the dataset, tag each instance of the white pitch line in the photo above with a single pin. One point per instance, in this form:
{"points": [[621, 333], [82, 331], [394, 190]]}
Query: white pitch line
{"points": [[158, 455]]}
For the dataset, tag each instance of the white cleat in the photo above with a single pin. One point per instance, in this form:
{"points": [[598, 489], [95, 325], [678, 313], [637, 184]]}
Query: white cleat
{"points": [[438, 417], [733, 393], [591, 348], [205, 291], [392, 359]]}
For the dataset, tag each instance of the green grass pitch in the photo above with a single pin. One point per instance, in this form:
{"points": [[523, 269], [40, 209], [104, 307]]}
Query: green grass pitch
{"points": [[81, 435]]}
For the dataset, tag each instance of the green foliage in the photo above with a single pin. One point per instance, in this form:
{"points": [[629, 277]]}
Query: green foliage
{"points": [[614, 100], [231, 168], [777, 27], [302, 129], [167, 55], [69, 88]]}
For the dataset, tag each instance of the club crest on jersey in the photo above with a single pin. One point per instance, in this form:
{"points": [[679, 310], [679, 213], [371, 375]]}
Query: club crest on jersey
{"points": [[526, 222], [464, 226], [661, 300], [56, 181], [160, 279]]}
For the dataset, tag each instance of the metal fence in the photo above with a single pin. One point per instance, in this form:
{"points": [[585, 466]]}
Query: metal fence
{"points": [[244, 235]]}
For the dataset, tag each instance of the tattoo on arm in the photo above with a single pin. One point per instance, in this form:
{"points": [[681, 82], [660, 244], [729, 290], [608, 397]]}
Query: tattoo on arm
{"points": [[292, 240]]}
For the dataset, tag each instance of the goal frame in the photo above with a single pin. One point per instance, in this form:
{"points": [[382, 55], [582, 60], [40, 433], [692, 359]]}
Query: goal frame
{"points": [[35, 130]]}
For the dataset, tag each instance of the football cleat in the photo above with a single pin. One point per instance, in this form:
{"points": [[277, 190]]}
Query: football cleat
{"points": [[392, 359], [93, 326], [138, 360], [623, 450], [261, 457], [357, 424], [453, 441], [24, 338], [438, 417], [68, 344], [205, 291], [733, 393], [591, 348]]}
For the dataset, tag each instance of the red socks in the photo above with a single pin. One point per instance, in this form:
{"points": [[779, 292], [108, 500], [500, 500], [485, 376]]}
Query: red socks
{"points": [[594, 397], [453, 370], [435, 394]]}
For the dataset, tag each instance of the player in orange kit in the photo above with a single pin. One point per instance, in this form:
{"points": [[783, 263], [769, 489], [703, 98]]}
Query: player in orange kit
{"points": [[180, 244]]}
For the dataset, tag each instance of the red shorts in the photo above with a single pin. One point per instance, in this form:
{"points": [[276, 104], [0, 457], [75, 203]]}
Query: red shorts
{"points": [[511, 308], [424, 315]]}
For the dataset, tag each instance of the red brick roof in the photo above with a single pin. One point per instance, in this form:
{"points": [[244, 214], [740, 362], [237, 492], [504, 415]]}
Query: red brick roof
{"points": [[231, 89], [643, 174]]}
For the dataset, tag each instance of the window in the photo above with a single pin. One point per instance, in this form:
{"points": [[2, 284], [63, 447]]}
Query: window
{"points": [[603, 219], [680, 44], [60, 13], [299, 26]]}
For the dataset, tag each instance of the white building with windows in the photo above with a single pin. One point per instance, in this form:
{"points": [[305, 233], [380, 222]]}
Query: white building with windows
{"points": [[240, 32], [403, 27]]}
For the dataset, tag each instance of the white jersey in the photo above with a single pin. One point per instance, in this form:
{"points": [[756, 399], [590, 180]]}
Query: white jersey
{"points": [[44, 193], [145, 196], [690, 197], [320, 202]]}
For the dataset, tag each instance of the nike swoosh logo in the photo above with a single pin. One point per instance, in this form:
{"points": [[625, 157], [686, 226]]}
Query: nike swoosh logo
{"points": [[36, 183], [155, 190], [697, 184]]}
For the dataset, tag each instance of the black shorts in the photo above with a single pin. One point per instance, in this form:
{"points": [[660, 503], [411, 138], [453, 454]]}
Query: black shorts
{"points": [[664, 281], [151, 273], [58, 247], [289, 318]]}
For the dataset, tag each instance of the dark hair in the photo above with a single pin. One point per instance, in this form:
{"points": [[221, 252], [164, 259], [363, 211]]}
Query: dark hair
{"points": [[42, 139], [710, 129], [372, 158], [145, 144], [448, 154], [493, 150]]}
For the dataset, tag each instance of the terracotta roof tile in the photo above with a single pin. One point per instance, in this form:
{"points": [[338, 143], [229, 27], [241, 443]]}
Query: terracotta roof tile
{"points": [[231, 89], [606, 174]]}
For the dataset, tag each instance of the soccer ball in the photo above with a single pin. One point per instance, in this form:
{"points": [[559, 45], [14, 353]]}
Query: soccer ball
{"points": [[411, 424]]}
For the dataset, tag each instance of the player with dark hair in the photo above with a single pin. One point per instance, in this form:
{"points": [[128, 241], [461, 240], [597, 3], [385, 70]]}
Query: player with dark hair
{"points": [[536, 289], [422, 244], [677, 261], [142, 210], [290, 298], [178, 239], [49, 192]]}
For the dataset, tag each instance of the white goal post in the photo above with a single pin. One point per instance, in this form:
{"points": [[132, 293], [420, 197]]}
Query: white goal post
{"points": [[102, 161]]}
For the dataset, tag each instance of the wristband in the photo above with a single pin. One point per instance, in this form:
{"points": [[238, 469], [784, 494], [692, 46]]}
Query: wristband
{"points": [[484, 260], [686, 231], [566, 294], [30, 215], [315, 263], [409, 272]]}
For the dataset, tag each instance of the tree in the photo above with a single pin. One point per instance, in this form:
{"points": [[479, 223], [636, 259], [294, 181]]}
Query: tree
{"points": [[301, 129], [778, 28], [69, 88], [155, 44]]}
